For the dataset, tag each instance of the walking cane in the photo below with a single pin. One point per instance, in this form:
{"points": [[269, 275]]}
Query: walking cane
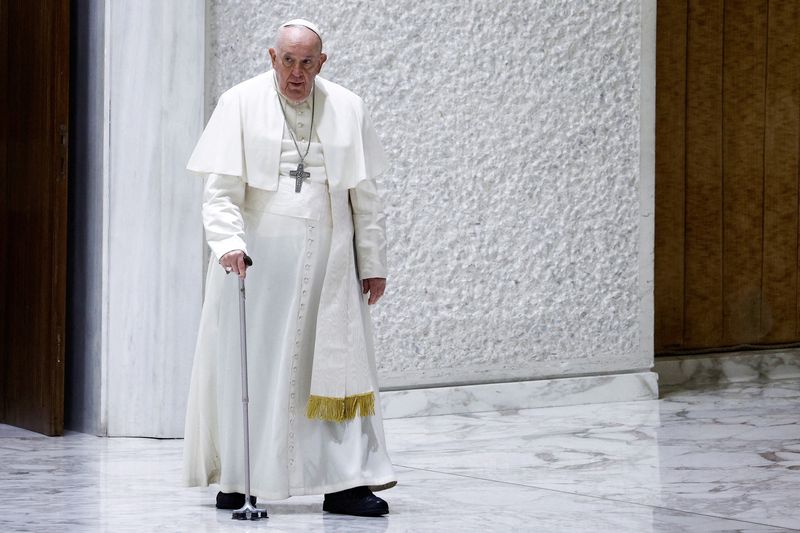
{"points": [[248, 510]]}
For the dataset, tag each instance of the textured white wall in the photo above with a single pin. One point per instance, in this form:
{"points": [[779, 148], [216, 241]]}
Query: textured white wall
{"points": [[514, 196]]}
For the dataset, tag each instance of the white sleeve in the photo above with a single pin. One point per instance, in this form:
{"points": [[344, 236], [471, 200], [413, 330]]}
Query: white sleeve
{"points": [[369, 222], [223, 197]]}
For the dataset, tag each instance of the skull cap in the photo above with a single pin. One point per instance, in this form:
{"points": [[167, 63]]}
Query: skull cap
{"points": [[304, 23]]}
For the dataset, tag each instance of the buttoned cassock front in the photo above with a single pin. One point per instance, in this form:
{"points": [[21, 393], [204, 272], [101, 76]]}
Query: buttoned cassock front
{"points": [[250, 204]]}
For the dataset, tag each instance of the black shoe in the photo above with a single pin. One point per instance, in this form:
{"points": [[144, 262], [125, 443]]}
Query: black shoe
{"points": [[232, 500], [357, 502]]}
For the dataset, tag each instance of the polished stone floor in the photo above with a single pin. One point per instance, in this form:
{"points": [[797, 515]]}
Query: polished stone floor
{"points": [[723, 458]]}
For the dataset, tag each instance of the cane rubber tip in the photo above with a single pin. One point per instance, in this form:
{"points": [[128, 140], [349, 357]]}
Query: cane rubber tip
{"points": [[249, 515]]}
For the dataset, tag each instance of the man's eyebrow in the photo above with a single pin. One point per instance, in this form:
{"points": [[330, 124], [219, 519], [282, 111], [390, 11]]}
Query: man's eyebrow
{"points": [[286, 53]]}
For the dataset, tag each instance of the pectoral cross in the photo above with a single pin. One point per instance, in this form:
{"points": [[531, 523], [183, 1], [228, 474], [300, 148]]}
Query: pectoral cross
{"points": [[299, 175]]}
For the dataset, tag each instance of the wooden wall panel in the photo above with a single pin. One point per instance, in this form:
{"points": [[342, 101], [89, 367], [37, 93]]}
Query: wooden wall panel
{"points": [[59, 139], [779, 321], [744, 74], [4, 220], [738, 207], [704, 215], [33, 258], [670, 167], [25, 340]]}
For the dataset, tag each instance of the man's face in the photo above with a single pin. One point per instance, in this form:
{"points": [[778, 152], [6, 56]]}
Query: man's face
{"points": [[297, 59]]}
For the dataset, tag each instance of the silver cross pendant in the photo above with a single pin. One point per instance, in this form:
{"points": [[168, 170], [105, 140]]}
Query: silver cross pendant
{"points": [[299, 175]]}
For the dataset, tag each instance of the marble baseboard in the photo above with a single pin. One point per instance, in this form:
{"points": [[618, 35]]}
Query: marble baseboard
{"points": [[520, 395], [689, 370]]}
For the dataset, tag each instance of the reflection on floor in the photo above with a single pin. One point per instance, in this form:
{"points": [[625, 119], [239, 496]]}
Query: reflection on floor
{"points": [[718, 459]]}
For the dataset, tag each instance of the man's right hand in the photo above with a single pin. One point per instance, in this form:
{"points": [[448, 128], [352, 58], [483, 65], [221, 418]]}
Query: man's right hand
{"points": [[234, 262]]}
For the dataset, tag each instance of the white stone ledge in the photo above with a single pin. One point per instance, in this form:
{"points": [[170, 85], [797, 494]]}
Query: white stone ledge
{"points": [[567, 365], [520, 395]]}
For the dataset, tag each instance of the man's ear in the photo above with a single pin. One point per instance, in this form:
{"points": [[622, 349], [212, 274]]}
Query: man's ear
{"points": [[273, 55], [322, 58]]}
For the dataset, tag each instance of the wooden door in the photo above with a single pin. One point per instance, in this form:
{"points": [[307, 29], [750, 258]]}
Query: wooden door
{"points": [[727, 151], [34, 100]]}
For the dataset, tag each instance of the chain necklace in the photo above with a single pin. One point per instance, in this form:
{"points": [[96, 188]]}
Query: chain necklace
{"points": [[300, 174]]}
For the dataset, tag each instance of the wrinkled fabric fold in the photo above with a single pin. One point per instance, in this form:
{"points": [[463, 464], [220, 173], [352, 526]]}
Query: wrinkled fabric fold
{"points": [[291, 454]]}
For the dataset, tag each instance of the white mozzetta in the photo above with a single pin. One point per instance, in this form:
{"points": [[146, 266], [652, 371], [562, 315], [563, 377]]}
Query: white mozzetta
{"points": [[518, 215], [154, 245]]}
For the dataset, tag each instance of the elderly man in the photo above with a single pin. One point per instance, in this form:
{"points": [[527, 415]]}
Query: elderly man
{"points": [[291, 161]]}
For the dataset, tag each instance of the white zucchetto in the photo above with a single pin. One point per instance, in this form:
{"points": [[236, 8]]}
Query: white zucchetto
{"points": [[306, 24]]}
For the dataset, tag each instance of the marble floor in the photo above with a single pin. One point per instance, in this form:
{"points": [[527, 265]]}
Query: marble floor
{"points": [[723, 458]]}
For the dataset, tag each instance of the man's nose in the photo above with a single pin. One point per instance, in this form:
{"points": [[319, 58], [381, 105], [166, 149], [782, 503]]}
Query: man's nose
{"points": [[297, 71]]}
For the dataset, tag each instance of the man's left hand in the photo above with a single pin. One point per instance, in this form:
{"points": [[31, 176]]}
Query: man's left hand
{"points": [[375, 288]]}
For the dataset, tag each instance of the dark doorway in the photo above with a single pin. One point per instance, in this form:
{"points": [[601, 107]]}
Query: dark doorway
{"points": [[34, 103]]}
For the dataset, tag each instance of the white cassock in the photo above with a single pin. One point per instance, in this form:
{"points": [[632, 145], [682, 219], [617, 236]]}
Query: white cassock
{"points": [[250, 204]]}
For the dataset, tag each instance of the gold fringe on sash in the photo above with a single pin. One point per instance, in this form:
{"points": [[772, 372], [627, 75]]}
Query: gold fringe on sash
{"points": [[340, 409]]}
